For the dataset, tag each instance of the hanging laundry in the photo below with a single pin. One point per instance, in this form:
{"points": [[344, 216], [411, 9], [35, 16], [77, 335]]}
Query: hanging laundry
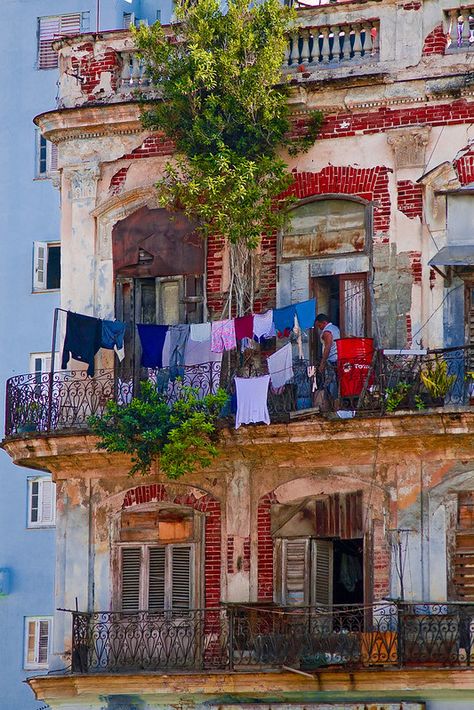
{"points": [[113, 332], [244, 327], [280, 366], [306, 313], [198, 353], [165, 355], [252, 393], [200, 332], [283, 320], [263, 326], [82, 341], [223, 335], [179, 335], [152, 338]]}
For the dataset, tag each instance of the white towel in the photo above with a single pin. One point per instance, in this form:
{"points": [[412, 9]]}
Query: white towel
{"points": [[200, 332], [252, 395], [280, 366], [263, 325]]}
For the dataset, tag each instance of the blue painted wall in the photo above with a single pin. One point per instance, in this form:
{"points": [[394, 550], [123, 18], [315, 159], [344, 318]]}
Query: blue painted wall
{"points": [[29, 211]]}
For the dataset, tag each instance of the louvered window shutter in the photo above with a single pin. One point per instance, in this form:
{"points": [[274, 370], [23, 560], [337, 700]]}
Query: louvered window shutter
{"points": [[181, 566], [295, 569], [47, 502], [51, 28], [156, 578], [322, 573], [40, 265], [131, 571], [43, 641], [53, 160]]}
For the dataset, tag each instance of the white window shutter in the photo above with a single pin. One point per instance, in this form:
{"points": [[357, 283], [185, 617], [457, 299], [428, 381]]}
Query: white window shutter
{"points": [[156, 578], [322, 573], [53, 157], [181, 582], [295, 572], [131, 573], [31, 643], [48, 502], [51, 28], [40, 265]]}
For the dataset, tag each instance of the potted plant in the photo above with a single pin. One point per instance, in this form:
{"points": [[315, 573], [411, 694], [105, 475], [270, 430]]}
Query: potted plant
{"points": [[397, 396], [29, 417], [437, 382]]}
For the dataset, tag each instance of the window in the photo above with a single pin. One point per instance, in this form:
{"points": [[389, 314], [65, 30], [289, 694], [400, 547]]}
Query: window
{"points": [[40, 364], [41, 502], [157, 578], [46, 157], [128, 20], [306, 572], [46, 266], [37, 635], [54, 26]]}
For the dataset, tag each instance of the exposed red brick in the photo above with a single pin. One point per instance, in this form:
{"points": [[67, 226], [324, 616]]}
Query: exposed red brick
{"points": [[153, 146], [410, 198], [265, 548], [416, 266], [432, 278], [435, 42], [464, 165], [340, 125], [90, 68], [118, 180]]}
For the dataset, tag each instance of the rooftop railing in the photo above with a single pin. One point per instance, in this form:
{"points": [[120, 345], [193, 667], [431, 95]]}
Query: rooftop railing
{"points": [[242, 638], [393, 381]]}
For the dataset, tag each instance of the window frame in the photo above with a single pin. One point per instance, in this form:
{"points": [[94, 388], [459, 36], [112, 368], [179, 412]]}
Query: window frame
{"points": [[40, 523], [40, 285], [51, 157], [37, 620]]}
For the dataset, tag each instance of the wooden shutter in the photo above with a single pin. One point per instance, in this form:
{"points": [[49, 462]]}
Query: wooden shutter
{"points": [[40, 265], [47, 502], [51, 28], [53, 157], [43, 641], [131, 573], [156, 578], [295, 572], [353, 305], [464, 556], [322, 573], [181, 582]]}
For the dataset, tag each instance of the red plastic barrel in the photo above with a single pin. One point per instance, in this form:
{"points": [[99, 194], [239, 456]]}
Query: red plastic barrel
{"points": [[354, 357]]}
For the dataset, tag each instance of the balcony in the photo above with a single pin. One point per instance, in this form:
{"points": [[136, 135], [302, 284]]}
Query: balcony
{"points": [[392, 382], [105, 68], [248, 638]]}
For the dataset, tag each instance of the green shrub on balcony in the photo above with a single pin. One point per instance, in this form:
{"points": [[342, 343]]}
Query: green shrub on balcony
{"points": [[182, 434]]}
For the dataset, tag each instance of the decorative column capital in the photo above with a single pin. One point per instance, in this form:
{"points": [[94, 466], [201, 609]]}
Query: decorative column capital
{"points": [[409, 145], [83, 181]]}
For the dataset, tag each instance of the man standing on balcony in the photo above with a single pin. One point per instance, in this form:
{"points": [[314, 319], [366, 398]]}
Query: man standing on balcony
{"points": [[329, 333]]}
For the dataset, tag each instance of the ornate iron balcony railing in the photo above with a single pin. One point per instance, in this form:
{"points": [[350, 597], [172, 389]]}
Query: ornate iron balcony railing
{"points": [[65, 400], [242, 638]]}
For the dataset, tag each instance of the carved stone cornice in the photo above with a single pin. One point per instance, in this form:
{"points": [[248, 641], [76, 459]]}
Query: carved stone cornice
{"points": [[409, 146]]}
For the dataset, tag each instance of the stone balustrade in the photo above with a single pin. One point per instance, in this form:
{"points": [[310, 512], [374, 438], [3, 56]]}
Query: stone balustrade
{"points": [[334, 43], [459, 24]]}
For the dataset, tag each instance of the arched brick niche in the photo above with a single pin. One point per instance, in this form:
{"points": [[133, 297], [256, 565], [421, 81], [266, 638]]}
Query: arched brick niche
{"points": [[350, 497], [198, 500]]}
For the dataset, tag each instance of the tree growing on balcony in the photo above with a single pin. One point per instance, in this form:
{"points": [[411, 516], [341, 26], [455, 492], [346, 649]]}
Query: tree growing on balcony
{"points": [[224, 104]]}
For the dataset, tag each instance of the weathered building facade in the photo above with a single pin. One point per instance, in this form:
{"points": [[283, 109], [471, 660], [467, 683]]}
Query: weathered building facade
{"points": [[194, 591]]}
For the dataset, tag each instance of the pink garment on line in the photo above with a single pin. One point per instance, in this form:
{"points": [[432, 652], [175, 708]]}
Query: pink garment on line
{"points": [[252, 393], [223, 335]]}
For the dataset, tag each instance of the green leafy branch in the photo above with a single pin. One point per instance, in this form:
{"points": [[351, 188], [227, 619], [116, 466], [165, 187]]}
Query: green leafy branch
{"points": [[182, 433]]}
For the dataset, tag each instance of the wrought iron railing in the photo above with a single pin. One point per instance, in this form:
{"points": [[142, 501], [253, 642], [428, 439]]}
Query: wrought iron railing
{"points": [[64, 400], [242, 638]]}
